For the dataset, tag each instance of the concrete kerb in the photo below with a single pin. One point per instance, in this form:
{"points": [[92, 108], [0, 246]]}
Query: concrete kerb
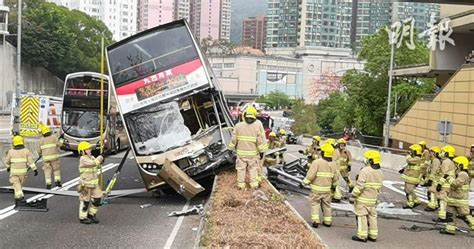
{"points": [[389, 160]]}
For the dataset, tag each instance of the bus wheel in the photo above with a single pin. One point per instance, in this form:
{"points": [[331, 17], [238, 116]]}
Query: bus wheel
{"points": [[117, 146]]}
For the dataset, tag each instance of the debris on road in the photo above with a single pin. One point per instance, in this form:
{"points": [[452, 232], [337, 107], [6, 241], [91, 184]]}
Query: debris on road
{"points": [[244, 219], [197, 209], [389, 208], [145, 205]]}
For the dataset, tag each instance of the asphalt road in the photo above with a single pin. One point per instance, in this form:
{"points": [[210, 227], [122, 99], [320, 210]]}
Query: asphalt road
{"points": [[391, 232], [122, 224]]}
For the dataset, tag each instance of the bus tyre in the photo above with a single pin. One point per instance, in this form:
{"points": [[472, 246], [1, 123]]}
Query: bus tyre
{"points": [[117, 146]]}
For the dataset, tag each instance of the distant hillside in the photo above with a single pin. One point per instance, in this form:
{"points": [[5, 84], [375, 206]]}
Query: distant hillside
{"points": [[241, 9]]}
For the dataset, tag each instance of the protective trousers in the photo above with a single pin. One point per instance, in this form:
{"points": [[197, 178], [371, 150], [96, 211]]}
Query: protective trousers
{"points": [[366, 221], [337, 195], [89, 201], [244, 164], [347, 179], [318, 201], [17, 184], [54, 168], [443, 203], [433, 196], [260, 170], [463, 213], [412, 199]]}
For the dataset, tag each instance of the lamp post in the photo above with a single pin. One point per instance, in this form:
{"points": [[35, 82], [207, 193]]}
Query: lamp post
{"points": [[16, 110], [390, 79]]}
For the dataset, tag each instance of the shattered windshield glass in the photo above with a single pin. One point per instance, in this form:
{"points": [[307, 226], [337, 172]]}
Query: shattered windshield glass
{"points": [[81, 124], [157, 128]]}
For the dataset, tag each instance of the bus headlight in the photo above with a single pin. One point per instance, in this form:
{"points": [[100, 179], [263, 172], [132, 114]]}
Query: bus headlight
{"points": [[151, 167]]}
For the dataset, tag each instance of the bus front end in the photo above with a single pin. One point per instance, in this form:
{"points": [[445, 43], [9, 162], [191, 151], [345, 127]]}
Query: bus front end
{"points": [[176, 118]]}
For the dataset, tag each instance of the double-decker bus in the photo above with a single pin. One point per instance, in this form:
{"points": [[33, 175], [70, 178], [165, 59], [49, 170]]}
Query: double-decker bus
{"points": [[81, 114], [175, 115]]}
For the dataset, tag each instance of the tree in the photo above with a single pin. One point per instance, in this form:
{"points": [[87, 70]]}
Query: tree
{"points": [[363, 103], [61, 40], [275, 99], [305, 119]]}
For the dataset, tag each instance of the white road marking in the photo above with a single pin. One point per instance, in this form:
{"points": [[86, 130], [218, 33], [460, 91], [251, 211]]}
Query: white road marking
{"points": [[8, 211], [64, 154], [288, 154], [176, 227], [390, 185]]}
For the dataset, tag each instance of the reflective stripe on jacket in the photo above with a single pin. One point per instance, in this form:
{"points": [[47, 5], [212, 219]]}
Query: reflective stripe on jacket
{"points": [[412, 172], [322, 175], [48, 148], [88, 170], [18, 161], [248, 140], [459, 190], [368, 186]]}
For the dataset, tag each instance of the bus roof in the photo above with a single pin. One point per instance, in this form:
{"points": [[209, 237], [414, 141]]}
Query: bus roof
{"points": [[79, 74]]}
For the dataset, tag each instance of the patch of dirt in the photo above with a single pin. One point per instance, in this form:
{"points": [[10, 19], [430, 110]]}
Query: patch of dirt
{"points": [[245, 218]]}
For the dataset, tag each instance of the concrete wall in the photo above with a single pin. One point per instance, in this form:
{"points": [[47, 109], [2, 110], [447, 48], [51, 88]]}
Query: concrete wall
{"points": [[452, 57], [389, 160], [454, 103], [34, 79]]}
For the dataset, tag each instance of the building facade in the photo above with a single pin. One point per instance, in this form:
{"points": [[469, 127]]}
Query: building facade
{"points": [[254, 32], [152, 13], [120, 16], [337, 23]]}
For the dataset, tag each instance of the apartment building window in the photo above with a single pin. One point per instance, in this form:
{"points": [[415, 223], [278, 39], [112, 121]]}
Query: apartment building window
{"points": [[229, 65]]}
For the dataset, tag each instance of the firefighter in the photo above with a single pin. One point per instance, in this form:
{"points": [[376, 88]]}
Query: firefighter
{"points": [[313, 151], [471, 162], [368, 187], [48, 148], [274, 142], [425, 162], [282, 137], [18, 161], [89, 190], [411, 175], [248, 140], [322, 177], [434, 175], [447, 168], [344, 162], [458, 197]]}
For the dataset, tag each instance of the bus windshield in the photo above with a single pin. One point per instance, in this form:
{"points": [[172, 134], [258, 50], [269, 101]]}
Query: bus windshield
{"points": [[81, 123], [156, 129]]}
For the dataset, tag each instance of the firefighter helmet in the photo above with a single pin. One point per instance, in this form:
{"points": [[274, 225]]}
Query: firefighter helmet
{"points": [[373, 155], [416, 148], [251, 112], [436, 150], [83, 146], [44, 129], [282, 132], [18, 140], [341, 141], [448, 150], [273, 134], [317, 138], [461, 162], [327, 149]]}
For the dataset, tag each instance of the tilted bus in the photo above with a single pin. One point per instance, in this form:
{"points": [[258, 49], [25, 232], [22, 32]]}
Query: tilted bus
{"points": [[173, 110]]}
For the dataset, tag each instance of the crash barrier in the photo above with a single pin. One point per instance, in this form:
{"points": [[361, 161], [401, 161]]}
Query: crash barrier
{"points": [[389, 160], [236, 218]]}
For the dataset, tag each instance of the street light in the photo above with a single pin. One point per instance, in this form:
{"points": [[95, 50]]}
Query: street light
{"points": [[16, 110], [390, 79]]}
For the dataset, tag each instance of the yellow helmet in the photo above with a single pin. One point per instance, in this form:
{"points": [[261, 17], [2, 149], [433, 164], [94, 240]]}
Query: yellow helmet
{"points": [[18, 140], [435, 149], [341, 141], [373, 155], [422, 143], [331, 141], [251, 112], [327, 149], [83, 146], [44, 128], [462, 162], [273, 134], [317, 138], [416, 148], [450, 150], [282, 132]]}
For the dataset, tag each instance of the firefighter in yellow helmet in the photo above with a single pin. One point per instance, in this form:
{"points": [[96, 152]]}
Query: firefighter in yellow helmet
{"points": [[411, 175], [368, 187], [425, 162], [434, 175], [282, 137], [89, 190], [273, 141], [447, 169], [48, 148], [331, 141], [18, 161], [322, 177], [458, 197], [343, 159], [249, 141], [314, 150], [471, 162]]}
